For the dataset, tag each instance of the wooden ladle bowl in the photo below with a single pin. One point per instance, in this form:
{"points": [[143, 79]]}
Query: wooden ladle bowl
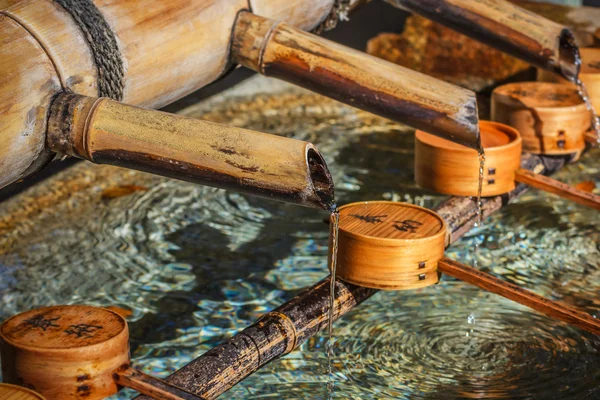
{"points": [[446, 167], [388, 245], [65, 352], [551, 117]]}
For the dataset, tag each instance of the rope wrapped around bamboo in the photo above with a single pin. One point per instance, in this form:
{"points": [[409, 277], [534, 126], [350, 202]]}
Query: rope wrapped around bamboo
{"points": [[278, 332]]}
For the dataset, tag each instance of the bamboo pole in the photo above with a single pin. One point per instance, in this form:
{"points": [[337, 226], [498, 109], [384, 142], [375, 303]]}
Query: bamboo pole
{"points": [[107, 132], [516, 293], [280, 331], [558, 188], [509, 28], [146, 53], [355, 78]]}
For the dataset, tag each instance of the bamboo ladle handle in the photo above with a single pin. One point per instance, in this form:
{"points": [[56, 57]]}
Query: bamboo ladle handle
{"points": [[516, 293], [559, 188], [150, 386]]}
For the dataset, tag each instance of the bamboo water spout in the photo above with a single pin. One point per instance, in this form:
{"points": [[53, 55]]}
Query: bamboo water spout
{"points": [[355, 78], [507, 27], [107, 132]]}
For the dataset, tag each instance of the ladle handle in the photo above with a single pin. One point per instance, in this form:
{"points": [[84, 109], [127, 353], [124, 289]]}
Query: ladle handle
{"points": [[516, 293], [559, 188], [150, 386]]}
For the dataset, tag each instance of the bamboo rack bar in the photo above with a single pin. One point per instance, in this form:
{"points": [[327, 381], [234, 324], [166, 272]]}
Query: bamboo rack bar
{"points": [[278, 50], [107, 132], [507, 27], [73, 352], [280, 331]]}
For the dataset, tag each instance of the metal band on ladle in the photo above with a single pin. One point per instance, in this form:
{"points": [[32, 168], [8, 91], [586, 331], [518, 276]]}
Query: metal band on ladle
{"points": [[103, 45]]}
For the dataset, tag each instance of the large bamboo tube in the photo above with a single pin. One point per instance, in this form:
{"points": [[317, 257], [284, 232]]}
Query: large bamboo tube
{"points": [[146, 53], [280, 331], [107, 132], [355, 78], [509, 28]]}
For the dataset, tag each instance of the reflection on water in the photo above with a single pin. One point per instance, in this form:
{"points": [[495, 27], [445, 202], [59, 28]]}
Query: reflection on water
{"points": [[197, 264]]}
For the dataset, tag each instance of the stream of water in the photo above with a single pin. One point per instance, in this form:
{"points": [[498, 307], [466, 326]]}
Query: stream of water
{"points": [[583, 93], [335, 220], [481, 156]]}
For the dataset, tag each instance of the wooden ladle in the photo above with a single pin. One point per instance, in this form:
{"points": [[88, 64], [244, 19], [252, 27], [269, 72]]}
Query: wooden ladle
{"points": [[77, 351], [397, 246]]}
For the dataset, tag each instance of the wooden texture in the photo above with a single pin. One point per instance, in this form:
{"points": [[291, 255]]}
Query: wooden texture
{"points": [[107, 132], [13, 392], [589, 75], [65, 352], [155, 388], [168, 48], [7, 3], [275, 334], [445, 167], [504, 26], [435, 50], [389, 245], [516, 293], [301, 14], [288, 326], [355, 78], [62, 40], [551, 117], [28, 80], [561, 189]]}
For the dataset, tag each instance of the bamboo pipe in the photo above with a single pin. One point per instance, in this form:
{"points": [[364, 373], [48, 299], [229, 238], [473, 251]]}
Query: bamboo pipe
{"points": [[558, 188], [75, 352], [219, 369], [107, 132], [355, 78], [509, 28], [143, 52], [518, 294]]}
